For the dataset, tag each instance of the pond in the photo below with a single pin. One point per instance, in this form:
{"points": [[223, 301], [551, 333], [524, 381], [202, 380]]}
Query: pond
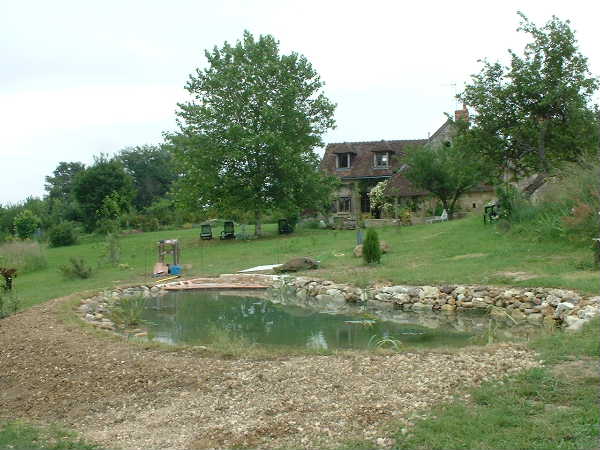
{"points": [[201, 317]]}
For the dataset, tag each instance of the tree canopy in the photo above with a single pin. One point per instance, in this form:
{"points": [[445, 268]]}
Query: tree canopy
{"points": [[246, 140], [152, 170], [536, 112], [105, 178], [447, 172]]}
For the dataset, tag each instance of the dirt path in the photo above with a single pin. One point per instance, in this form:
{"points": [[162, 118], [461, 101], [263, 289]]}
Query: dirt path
{"points": [[122, 396]]}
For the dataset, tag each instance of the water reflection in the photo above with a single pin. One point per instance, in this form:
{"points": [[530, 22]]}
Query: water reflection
{"points": [[193, 317]]}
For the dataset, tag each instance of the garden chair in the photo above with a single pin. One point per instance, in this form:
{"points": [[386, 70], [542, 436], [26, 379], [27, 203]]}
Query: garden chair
{"points": [[228, 231], [490, 213], [442, 218], [284, 227], [206, 232]]}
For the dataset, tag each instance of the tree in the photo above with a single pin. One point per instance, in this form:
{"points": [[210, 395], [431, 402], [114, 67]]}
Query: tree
{"points": [[535, 113], [446, 171], [105, 178], [246, 141], [152, 170], [60, 199], [371, 248], [60, 185], [26, 224]]}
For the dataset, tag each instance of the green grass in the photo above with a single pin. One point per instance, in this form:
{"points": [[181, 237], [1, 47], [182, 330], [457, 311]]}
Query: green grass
{"points": [[550, 407], [20, 435], [462, 251]]}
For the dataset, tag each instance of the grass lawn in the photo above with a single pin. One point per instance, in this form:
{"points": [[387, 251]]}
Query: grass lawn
{"points": [[462, 251], [551, 407]]}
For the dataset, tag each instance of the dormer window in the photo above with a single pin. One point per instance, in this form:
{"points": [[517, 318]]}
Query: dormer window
{"points": [[381, 160], [343, 160]]}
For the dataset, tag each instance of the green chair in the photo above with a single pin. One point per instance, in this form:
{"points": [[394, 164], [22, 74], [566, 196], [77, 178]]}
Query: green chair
{"points": [[284, 226], [228, 231], [206, 232]]}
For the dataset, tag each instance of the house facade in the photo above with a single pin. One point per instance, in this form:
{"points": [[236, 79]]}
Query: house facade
{"points": [[361, 165]]}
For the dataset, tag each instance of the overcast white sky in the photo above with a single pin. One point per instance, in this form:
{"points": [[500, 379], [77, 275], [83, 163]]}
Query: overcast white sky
{"points": [[78, 77]]}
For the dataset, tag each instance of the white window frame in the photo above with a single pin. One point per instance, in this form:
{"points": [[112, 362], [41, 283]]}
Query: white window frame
{"points": [[387, 162], [338, 160]]}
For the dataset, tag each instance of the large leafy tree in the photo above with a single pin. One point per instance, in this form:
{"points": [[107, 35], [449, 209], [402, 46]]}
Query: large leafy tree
{"points": [[152, 170], [246, 140], [59, 186], [106, 178], [536, 112], [447, 171]]}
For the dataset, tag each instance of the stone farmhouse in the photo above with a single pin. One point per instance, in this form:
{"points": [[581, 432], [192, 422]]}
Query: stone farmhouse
{"points": [[361, 165]]}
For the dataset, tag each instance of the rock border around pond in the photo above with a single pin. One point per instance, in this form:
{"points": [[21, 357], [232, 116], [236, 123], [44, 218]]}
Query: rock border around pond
{"points": [[535, 305]]}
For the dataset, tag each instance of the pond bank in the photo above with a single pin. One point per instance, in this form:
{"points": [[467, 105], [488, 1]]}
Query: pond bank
{"points": [[535, 306]]}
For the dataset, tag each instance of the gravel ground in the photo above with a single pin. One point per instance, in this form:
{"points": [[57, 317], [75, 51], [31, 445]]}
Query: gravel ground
{"points": [[123, 396]]}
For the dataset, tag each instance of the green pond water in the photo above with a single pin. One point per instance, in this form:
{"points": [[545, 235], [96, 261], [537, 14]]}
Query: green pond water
{"points": [[198, 317]]}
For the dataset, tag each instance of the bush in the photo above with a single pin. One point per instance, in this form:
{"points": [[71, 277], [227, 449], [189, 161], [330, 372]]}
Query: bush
{"points": [[24, 256], [371, 249], [63, 234], [566, 208], [77, 268], [128, 311], [111, 253], [26, 224]]}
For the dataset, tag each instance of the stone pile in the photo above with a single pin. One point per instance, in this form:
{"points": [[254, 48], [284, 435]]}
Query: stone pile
{"points": [[96, 310], [534, 305]]}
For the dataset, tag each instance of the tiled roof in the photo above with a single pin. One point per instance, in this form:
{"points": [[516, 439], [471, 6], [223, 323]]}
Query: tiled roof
{"points": [[362, 162]]}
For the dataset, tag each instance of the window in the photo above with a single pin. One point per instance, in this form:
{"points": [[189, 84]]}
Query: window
{"points": [[381, 160], [343, 160], [344, 204]]}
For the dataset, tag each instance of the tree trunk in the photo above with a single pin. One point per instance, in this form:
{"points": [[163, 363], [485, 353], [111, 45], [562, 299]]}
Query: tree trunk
{"points": [[257, 224], [540, 179]]}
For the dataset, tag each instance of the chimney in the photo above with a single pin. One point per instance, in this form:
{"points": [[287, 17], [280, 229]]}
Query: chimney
{"points": [[461, 114]]}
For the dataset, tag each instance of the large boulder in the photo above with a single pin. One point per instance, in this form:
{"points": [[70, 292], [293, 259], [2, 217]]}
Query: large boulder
{"points": [[296, 264], [383, 245]]}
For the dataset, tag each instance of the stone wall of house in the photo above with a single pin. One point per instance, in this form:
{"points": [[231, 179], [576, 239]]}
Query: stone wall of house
{"points": [[534, 305]]}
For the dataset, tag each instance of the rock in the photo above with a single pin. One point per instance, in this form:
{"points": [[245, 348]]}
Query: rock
{"points": [[588, 312], [398, 289], [517, 314], [429, 292], [536, 317], [552, 300], [448, 307], [383, 246], [296, 264], [575, 325], [447, 289], [563, 309]]}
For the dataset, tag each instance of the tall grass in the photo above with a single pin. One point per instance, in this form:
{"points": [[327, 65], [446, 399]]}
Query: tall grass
{"points": [[567, 208], [25, 256]]}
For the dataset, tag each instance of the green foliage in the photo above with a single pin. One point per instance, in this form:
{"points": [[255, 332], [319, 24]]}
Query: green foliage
{"points": [[447, 172], [106, 178], [19, 435], [561, 346], [247, 140], [535, 113], [9, 303], [24, 256], [371, 249], [542, 408], [76, 268], [63, 234], [128, 311], [26, 224], [567, 208], [152, 170], [111, 252]]}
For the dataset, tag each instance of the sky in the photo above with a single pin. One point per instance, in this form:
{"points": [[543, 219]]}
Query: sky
{"points": [[80, 78]]}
